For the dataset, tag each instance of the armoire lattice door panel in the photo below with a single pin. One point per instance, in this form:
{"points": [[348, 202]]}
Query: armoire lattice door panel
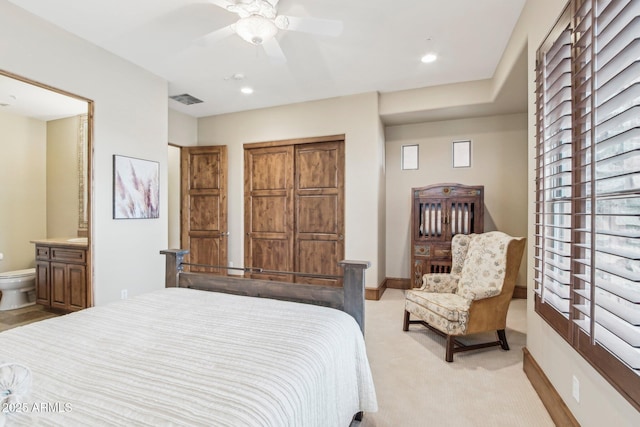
{"points": [[440, 212]]}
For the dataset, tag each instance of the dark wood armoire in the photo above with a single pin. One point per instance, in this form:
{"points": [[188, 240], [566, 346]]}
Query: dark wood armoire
{"points": [[438, 213]]}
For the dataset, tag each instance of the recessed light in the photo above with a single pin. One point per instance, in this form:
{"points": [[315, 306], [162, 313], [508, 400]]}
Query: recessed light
{"points": [[429, 57], [247, 90]]}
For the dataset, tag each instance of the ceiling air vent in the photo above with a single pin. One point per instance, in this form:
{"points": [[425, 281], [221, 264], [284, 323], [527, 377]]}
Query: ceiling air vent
{"points": [[186, 99]]}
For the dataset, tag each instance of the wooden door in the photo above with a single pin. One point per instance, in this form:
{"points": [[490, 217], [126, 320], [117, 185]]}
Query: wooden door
{"points": [[58, 285], [42, 283], [319, 213], [204, 207], [77, 287], [268, 211]]}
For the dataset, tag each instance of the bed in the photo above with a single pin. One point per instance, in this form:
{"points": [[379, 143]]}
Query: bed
{"points": [[190, 357]]}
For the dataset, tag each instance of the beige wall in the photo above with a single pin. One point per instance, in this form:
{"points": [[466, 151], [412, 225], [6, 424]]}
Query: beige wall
{"points": [[62, 177], [183, 131], [130, 115], [600, 404], [499, 160], [354, 116], [173, 188], [23, 195]]}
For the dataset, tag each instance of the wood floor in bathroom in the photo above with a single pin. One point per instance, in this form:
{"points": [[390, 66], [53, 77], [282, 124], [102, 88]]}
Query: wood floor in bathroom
{"points": [[22, 316]]}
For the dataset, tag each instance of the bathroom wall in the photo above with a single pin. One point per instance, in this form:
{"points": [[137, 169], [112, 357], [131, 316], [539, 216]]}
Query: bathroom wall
{"points": [[22, 189], [62, 177]]}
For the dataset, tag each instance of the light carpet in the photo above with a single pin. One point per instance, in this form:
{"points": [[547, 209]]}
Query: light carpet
{"points": [[416, 387]]}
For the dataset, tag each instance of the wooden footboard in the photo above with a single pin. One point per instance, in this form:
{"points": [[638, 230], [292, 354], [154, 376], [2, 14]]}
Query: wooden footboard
{"points": [[349, 298]]}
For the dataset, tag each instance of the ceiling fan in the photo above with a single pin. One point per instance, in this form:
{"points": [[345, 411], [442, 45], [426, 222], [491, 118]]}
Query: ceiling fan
{"points": [[260, 22]]}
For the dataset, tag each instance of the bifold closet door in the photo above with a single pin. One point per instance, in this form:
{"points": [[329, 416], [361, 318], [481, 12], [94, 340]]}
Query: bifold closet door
{"points": [[268, 211], [319, 210]]}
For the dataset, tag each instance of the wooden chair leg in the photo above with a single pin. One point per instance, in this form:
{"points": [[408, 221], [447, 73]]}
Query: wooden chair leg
{"points": [[502, 337], [405, 324], [449, 354]]}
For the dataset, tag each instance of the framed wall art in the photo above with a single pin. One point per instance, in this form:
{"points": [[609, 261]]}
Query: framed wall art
{"points": [[136, 192]]}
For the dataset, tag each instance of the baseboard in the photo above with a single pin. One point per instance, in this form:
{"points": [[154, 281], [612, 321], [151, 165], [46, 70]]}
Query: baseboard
{"points": [[397, 283], [520, 292], [375, 294], [558, 410]]}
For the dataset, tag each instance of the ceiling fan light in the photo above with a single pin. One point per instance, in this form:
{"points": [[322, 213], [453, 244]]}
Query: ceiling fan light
{"points": [[429, 57], [256, 29]]}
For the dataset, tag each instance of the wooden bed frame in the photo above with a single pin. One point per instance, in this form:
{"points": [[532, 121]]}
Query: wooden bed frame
{"points": [[348, 298]]}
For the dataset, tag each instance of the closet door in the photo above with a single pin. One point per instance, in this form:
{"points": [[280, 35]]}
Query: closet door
{"points": [[319, 213], [268, 211], [294, 209]]}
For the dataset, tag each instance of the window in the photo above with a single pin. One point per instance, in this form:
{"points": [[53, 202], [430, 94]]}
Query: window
{"points": [[461, 154], [409, 157], [587, 248]]}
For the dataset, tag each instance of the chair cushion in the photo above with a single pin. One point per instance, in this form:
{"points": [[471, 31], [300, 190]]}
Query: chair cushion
{"points": [[449, 306], [485, 266], [439, 282], [437, 321]]}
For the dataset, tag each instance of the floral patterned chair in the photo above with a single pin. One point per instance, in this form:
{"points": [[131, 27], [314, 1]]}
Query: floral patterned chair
{"points": [[474, 297]]}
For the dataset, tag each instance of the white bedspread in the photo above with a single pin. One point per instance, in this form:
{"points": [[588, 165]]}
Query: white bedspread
{"points": [[193, 358]]}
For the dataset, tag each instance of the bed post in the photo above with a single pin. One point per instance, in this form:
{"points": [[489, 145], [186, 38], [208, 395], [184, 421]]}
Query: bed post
{"points": [[175, 258], [353, 286]]}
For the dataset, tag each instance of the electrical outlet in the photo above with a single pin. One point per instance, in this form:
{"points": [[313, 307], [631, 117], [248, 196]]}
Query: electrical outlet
{"points": [[230, 263], [575, 390], [124, 294]]}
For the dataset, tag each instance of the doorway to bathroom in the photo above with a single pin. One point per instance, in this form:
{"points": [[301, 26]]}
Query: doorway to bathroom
{"points": [[45, 166]]}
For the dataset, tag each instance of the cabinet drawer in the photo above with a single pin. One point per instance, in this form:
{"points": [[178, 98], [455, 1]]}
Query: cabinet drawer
{"points": [[42, 252], [441, 252], [68, 255]]}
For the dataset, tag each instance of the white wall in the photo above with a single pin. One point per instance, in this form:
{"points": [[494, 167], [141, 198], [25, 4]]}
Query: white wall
{"points": [[600, 404], [23, 197], [62, 177], [183, 129], [183, 132], [354, 116], [499, 161], [130, 119], [174, 194]]}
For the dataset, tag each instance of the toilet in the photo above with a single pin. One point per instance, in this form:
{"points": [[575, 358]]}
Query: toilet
{"points": [[18, 289]]}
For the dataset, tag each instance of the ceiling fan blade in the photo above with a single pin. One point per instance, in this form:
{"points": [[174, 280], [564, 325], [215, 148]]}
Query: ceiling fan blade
{"points": [[216, 36], [274, 51], [325, 27]]}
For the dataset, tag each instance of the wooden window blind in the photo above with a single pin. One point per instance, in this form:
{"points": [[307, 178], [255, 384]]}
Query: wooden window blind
{"points": [[587, 259]]}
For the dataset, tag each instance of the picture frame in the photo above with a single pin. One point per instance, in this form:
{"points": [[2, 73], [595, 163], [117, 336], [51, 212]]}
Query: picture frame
{"points": [[461, 154], [136, 192]]}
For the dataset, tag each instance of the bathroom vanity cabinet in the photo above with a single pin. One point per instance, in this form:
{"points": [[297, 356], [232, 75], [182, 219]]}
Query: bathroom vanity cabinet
{"points": [[61, 274]]}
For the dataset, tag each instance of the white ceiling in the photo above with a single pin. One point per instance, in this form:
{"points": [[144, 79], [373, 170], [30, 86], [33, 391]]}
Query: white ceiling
{"points": [[379, 48]]}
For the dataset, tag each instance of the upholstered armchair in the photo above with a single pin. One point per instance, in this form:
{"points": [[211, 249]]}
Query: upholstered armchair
{"points": [[474, 297]]}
